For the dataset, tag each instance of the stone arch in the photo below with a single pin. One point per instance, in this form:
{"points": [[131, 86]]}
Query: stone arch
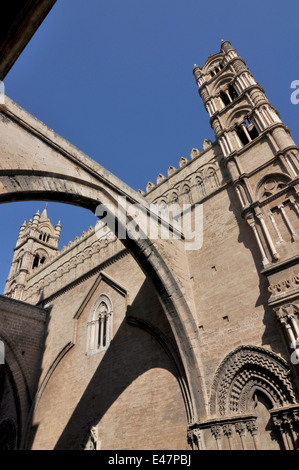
{"points": [[99, 325], [199, 184], [237, 116], [40, 256], [222, 82], [185, 192], [271, 184], [246, 370], [211, 61], [161, 202], [19, 260], [213, 178], [64, 174]]}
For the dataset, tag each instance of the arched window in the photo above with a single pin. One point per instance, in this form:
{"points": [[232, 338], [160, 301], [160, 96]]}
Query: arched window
{"points": [[41, 235], [99, 326], [213, 178], [20, 260], [246, 131], [13, 290], [38, 260], [201, 186], [242, 136], [185, 195], [35, 261], [252, 131], [224, 98], [232, 92]]}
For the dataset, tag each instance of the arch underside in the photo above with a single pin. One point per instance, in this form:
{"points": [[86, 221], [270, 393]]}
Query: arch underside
{"points": [[36, 164]]}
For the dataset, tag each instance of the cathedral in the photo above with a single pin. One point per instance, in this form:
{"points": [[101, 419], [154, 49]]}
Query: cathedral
{"points": [[122, 342]]}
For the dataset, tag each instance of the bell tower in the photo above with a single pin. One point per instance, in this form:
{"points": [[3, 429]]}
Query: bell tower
{"points": [[262, 161], [37, 242]]}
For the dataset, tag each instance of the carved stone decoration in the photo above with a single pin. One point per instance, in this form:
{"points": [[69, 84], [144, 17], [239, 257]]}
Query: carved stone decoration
{"points": [[252, 427], [284, 285], [244, 370], [285, 421], [216, 432], [227, 430], [271, 185], [240, 428]]}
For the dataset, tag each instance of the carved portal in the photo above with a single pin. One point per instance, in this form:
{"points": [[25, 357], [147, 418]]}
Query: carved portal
{"points": [[253, 403]]}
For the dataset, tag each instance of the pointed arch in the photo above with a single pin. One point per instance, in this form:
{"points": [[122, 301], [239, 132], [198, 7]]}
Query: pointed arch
{"points": [[99, 326], [245, 370], [271, 184], [38, 164], [237, 116], [222, 82]]}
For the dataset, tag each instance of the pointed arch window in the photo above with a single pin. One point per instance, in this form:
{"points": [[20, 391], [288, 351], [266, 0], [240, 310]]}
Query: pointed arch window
{"points": [[38, 260], [201, 186], [246, 131], [99, 326], [232, 92], [20, 261], [224, 98], [44, 236]]}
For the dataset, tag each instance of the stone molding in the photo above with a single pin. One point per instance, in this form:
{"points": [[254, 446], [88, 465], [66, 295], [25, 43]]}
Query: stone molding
{"points": [[244, 369]]}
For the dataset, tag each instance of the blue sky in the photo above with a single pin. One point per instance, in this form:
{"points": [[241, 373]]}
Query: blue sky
{"points": [[115, 79]]}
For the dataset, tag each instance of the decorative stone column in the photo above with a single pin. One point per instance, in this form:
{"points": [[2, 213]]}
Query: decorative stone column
{"points": [[286, 421], [240, 428], [286, 317], [252, 429], [251, 222], [194, 439], [216, 432]]}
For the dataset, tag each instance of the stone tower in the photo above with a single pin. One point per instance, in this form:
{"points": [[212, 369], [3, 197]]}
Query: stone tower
{"points": [[262, 161], [37, 242]]}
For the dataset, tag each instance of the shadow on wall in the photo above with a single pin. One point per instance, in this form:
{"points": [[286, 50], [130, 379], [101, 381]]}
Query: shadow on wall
{"points": [[271, 335], [19, 376], [131, 354]]}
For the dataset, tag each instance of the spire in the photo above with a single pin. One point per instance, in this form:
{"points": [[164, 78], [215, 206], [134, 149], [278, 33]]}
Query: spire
{"points": [[44, 215]]}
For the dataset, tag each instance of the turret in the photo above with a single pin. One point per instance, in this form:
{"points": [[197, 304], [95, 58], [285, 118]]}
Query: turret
{"points": [[37, 242], [258, 152]]}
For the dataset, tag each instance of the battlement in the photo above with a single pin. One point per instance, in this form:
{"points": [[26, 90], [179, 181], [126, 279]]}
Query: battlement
{"points": [[75, 260], [195, 153]]}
